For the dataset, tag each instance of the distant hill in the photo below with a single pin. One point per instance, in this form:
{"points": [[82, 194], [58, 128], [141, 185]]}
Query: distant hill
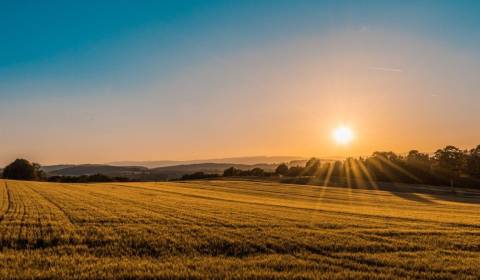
{"points": [[233, 160], [89, 169], [143, 173], [52, 168], [169, 169]]}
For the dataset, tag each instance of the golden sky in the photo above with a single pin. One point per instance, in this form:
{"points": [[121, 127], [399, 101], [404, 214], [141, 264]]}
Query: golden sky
{"points": [[396, 89]]}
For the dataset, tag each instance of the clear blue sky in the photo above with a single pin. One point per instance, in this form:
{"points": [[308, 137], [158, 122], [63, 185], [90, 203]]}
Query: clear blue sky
{"points": [[78, 76]]}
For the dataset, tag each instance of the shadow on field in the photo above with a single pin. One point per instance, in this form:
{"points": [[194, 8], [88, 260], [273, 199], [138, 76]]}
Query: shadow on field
{"points": [[412, 192], [435, 193], [413, 197]]}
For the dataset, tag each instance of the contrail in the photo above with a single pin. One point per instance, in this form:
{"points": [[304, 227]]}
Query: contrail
{"points": [[386, 69]]}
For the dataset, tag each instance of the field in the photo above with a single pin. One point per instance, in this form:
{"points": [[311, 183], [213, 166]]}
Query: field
{"points": [[234, 229]]}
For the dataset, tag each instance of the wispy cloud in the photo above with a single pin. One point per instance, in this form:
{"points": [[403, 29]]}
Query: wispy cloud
{"points": [[386, 69]]}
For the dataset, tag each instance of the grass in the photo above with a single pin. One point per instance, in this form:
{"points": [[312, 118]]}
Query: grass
{"points": [[234, 229]]}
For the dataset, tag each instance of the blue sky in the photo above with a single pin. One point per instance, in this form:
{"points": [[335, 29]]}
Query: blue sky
{"points": [[113, 53], [105, 41]]}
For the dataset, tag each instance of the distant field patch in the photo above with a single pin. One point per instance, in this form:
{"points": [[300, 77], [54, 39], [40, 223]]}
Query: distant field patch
{"points": [[234, 229]]}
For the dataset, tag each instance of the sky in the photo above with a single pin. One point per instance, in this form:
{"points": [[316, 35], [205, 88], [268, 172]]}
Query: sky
{"points": [[102, 81]]}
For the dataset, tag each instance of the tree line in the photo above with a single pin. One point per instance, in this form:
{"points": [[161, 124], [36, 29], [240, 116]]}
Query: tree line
{"points": [[448, 166]]}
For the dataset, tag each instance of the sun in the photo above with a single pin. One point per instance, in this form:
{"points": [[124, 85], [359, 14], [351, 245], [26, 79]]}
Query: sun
{"points": [[343, 135]]}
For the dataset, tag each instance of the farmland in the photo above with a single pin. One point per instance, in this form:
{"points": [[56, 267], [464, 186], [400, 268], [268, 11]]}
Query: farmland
{"points": [[234, 229]]}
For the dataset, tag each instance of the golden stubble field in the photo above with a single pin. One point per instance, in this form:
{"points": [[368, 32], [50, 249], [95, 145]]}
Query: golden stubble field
{"points": [[234, 229]]}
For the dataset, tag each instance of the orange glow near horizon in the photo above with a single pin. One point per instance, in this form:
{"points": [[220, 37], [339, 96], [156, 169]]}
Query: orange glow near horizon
{"points": [[271, 100]]}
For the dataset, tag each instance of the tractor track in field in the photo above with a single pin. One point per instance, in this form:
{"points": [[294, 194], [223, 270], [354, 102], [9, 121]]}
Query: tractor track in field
{"points": [[38, 211], [336, 212], [145, 206], [94, 207], [195, 216], [158, 190], [141, 230], [206, 197], [58, 206], [9, 202], [133, 203], [23, 212]]}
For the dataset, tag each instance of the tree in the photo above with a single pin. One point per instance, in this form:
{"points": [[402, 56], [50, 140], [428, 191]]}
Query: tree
{"points": [[473, 162], [312, 166], [282, 169], [99, 178], [198, 175], [257, 172], [386, 156], [232, 171], [415, 157], [450, 162], [22, 169], [450, 158], [420, 165], [295, 171]]}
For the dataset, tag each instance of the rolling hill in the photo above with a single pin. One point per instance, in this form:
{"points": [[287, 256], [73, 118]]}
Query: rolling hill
{"points": [[233, 160], [89, 169], [143, 173]]}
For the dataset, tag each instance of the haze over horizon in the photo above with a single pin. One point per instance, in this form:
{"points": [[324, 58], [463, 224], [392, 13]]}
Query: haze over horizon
{"points": [[181, 80]]}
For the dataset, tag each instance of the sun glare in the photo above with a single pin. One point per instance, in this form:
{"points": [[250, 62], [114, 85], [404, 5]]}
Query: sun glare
{"points": [[343, 135]]}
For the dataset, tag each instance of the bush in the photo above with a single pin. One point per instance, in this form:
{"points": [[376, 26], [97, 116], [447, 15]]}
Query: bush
{"points": [[198, 175], [95, 178]]}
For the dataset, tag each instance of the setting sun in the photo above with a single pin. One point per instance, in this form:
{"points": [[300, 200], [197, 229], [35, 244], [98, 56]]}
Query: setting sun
{"points": [[343, 135]]}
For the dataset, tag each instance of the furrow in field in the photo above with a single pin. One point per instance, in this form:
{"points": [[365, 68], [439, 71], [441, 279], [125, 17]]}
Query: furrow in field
{"points": [[236, 226], [377, 199], [6, 204], [54, 204], [393, 209], [13, 220], [170, 211], [202, 210], [284, 204], [113, 204]]}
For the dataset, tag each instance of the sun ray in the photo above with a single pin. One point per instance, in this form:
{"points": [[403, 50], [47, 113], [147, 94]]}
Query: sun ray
{"points": [[357, 175], [398, 168], [368, 175], [346, 168]]}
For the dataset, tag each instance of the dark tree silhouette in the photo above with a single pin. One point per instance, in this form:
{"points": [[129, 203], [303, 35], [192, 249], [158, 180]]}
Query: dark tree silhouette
{"points": [[450, 159], [22, 169], [473, 162], [282, 169], [232, 171], [257, 172], [416, 157], [294, 171], [312, 166], [198, 175], [95, 178], [448, 166]]}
